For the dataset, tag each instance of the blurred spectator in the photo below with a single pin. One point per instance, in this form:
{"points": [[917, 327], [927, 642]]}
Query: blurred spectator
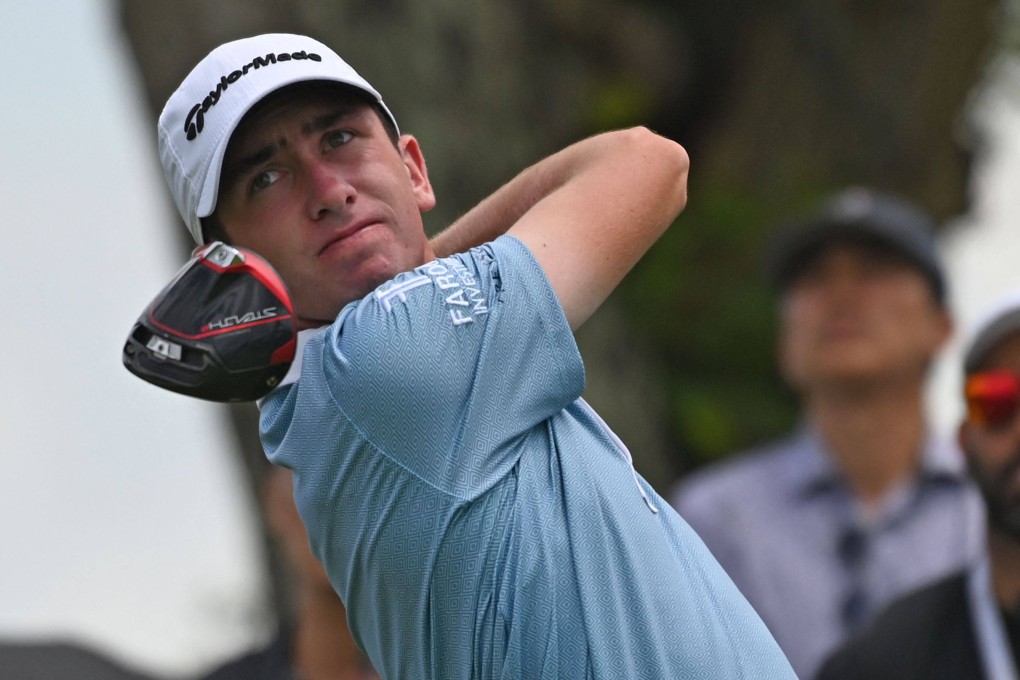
{"points": [[54, 660], [315, 642], [966, 625], [863, 502]]}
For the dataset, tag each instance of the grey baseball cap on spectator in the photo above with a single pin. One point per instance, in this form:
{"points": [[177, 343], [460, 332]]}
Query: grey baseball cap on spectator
{"points": [[859, 214]]}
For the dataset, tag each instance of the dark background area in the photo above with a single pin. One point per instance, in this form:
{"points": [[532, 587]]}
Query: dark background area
{"points": [[777, 101]]}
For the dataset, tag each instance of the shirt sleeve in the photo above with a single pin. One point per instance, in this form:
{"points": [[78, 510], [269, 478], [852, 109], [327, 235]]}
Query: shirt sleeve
{"points": [[444, 368]]}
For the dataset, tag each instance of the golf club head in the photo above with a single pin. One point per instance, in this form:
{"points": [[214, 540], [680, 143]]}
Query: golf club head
{"points": [[222, 330]]}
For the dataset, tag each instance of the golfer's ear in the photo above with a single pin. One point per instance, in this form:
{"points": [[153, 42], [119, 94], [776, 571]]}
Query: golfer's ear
{"points": [[417, 172]]}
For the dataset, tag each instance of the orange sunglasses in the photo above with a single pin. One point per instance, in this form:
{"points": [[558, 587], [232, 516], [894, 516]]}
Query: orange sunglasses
{"points": [[992, 397]]}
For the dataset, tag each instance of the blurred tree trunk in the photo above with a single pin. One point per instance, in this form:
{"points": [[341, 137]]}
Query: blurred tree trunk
{"points": [[776, 102]]}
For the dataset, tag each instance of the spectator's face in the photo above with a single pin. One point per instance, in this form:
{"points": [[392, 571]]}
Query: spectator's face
{"points": [[315, 185], [993, 449], [855, 315]]}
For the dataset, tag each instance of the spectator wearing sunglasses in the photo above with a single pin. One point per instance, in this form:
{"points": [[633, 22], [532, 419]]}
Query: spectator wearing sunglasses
{"points": [[966, 625], [863, 502]]}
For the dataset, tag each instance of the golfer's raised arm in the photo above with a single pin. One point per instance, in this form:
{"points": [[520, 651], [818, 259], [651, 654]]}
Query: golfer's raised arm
{"points": [[587, 213]]}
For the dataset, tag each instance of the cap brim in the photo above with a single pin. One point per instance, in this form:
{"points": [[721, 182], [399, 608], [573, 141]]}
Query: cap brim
{"points": [[791, 249]]}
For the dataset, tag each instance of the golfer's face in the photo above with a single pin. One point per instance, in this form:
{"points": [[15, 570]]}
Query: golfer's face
{"points": [[316, 186]]}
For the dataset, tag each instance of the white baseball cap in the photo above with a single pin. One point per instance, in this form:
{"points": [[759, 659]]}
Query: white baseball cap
{"points": [[199, 118]]}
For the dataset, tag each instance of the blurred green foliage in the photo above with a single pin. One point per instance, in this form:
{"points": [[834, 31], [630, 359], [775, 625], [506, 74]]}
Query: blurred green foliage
{"points": [[776, 103], [701, 298]]}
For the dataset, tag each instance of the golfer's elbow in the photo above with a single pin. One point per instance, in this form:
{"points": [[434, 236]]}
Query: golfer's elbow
{"points": [[663, 172]]}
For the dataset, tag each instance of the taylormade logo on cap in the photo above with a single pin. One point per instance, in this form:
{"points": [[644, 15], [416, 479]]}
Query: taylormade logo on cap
{"points": [[199, 118], [195, 121]]}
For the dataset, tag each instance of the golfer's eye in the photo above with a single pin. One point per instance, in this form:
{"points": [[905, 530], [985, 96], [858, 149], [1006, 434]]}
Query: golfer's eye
{"points": [[263, 180], [338, 138]]}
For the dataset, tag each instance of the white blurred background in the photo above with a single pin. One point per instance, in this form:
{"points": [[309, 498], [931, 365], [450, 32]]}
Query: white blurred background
{"points": [[122, 519]]}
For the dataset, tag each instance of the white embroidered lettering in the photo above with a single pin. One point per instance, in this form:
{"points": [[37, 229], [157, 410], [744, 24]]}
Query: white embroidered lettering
{"points": [[400, 290], [434, 269], [445, 282], [457, 298]]}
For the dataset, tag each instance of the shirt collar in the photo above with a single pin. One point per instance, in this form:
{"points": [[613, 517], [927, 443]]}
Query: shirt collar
{"points": [[812, 470], [942, 459], [293, 374]]}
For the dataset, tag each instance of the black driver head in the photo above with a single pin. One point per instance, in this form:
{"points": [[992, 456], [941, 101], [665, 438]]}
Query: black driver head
{"points": [[222, 330]]}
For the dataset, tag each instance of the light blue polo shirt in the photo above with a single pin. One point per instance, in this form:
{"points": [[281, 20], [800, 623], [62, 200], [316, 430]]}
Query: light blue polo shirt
{"points": [[478, 519]]}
